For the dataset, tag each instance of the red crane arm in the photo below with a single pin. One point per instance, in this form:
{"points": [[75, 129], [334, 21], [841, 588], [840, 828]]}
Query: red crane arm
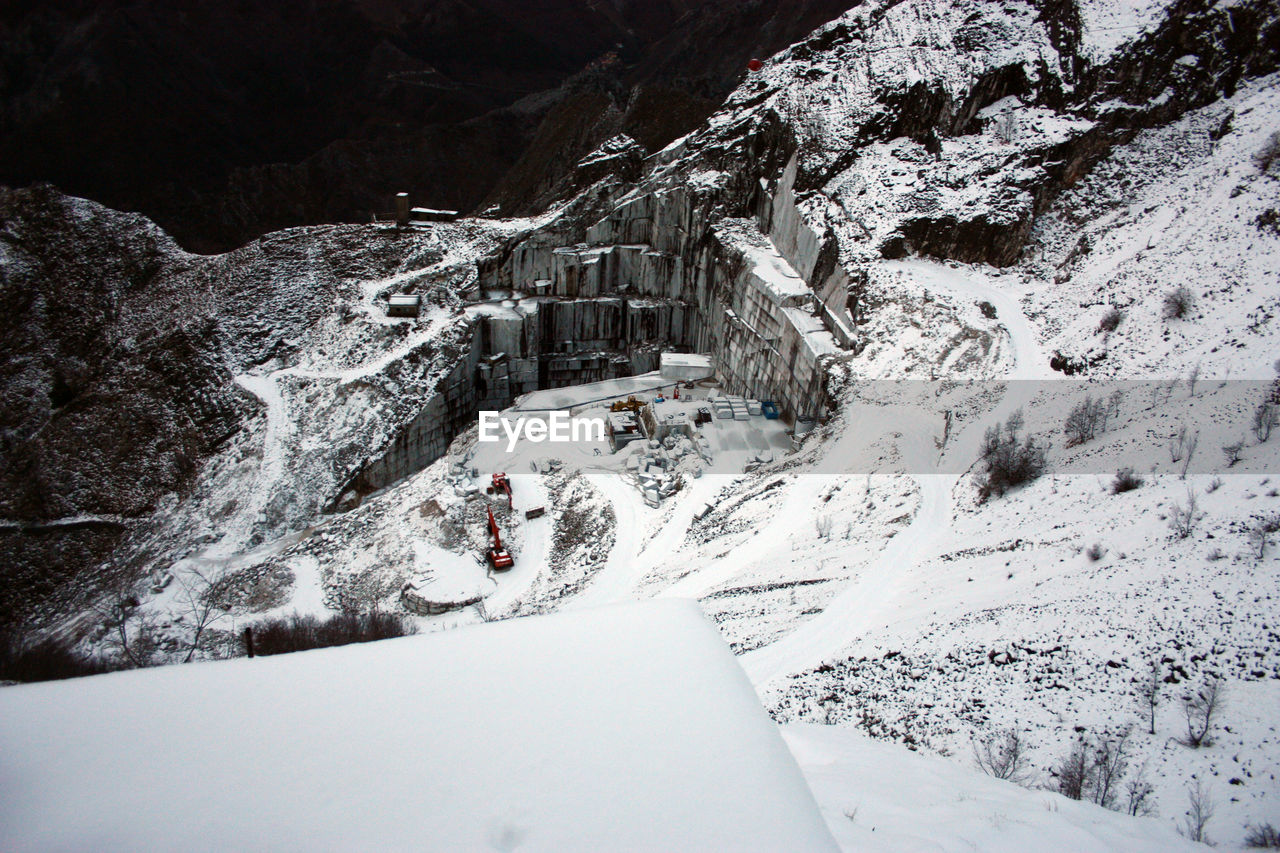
{"points": [[493, 528]]}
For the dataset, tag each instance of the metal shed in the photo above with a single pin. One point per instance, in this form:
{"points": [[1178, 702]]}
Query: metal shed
{"points": [[404, 305]]}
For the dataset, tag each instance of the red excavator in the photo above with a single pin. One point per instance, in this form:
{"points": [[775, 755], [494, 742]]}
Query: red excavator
{"points": [[500, 558], [502, 484]]}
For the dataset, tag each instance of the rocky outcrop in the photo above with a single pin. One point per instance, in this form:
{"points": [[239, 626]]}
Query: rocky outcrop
{"points": [[119, 380]]}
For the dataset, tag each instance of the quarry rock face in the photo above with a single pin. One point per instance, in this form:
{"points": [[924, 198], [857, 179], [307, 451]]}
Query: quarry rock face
{"points": [[154, 394], [765, 221]]}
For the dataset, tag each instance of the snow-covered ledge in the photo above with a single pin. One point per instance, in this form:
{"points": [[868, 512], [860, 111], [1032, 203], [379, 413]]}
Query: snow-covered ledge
{"points": [[625, 727]]}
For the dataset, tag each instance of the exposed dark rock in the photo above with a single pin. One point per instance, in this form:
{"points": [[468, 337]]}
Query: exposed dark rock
{"points": [[224, 121], [118, 377]]}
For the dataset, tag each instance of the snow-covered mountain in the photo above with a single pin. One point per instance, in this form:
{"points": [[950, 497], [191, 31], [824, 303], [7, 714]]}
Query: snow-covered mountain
{"points": [[923, 218]]}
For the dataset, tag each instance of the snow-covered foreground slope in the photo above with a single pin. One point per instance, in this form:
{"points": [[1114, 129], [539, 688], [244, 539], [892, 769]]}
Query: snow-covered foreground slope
{"points": [[880, 797], [625, 728], [622, 728]]}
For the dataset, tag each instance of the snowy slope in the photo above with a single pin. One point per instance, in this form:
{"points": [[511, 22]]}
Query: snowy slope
{"points": [[626, 728], [880, 797], [1181, 206]]}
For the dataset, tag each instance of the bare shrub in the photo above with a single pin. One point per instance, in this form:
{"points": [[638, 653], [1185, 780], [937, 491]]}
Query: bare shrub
{"points": [[1183, 519], [1261, 531], [1198, 814], [1111, 320], [1126, 481], [26, 660], [131, 635], [1231, 453], [1073, 772], [1004, 756], [1095, 552], [1178, 303], [1201, 711], [1263, 836], [1214, 485], [1178, 444], [298, 632], [1011, 460]]}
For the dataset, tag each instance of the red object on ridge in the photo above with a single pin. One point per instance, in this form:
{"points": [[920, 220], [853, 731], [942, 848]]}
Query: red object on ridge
{"points": [[755, 65]]}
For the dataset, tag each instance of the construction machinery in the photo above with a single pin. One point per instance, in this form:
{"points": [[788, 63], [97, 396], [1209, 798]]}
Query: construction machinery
{"points": [[631, 404], [502, 484], [499, 558]]}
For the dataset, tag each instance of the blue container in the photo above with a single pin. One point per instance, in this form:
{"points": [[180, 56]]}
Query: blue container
{"points": [[769, 409]]}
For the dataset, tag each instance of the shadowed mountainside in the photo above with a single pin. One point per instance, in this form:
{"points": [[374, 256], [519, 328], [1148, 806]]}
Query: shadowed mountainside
{"points": [[223, 121]]}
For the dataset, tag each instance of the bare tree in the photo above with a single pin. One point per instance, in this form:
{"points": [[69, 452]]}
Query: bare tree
{"points": [[1110, 760], [1138, 792], [1004, 756], [199, 600], [1086, 420], [131, 633], [1178, 444], [1193, 378], [1201, 711], [1198, 814], [1183, 519], [1011, 460], [1192, 443], [1073, 774], [1151, 694], [1265, 419], [1116, 398]]}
